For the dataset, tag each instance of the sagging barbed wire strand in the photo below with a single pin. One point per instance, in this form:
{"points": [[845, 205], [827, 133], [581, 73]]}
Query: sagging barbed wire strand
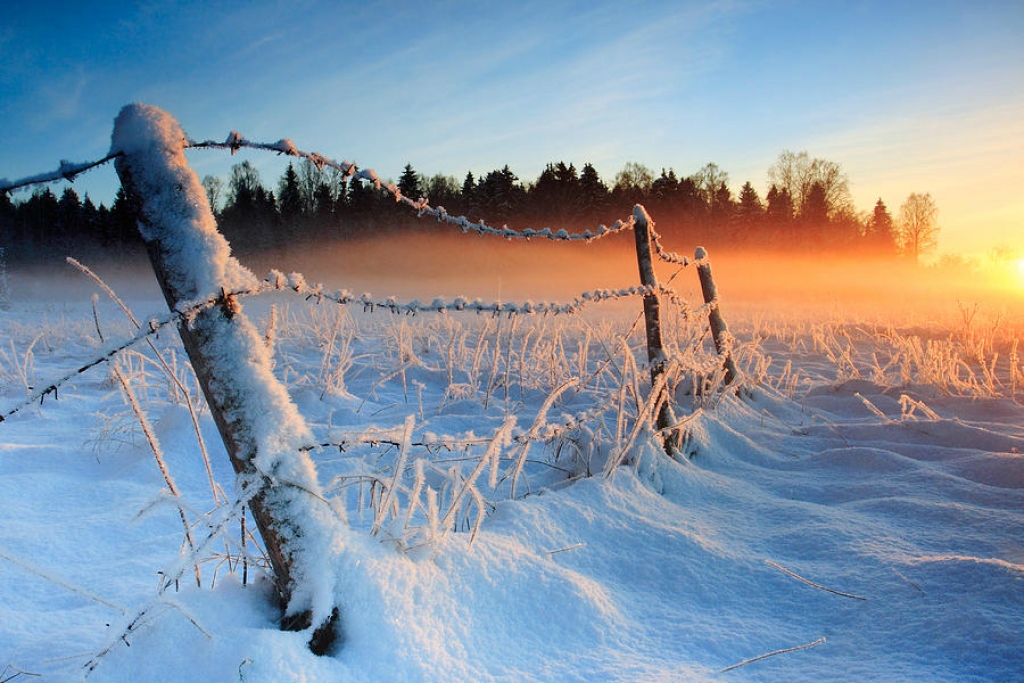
{"points": [[433, 443], [153, 327], [236, 141], [69, 171], [296, 282]]}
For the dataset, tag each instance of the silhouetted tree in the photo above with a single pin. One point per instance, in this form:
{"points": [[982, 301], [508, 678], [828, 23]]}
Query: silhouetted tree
{"points": [[813, 219], [69, 218], [289, 197], [443, 190], [214, 187], [632, 185], [750, 214], [665, 194], [409, 183], [709, 179], [880, 231], [593, 193], [779, 216], [918, 226], [500, 195], [249, 219], [798, 173], [470, 199], [555, 197]]}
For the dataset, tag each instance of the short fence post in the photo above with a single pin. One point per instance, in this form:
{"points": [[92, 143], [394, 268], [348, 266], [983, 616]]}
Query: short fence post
{"points": [[652, 318], [263, 433], [719, 330]]}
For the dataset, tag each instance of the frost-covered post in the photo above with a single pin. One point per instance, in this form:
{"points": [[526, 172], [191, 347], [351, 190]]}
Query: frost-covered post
{"points": [[642, 224], [719, 330], [261, 427]]}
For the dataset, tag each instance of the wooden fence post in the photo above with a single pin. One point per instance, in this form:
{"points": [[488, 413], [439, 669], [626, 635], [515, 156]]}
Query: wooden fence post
{"points": [[260, 425], [719, 330], [656, 357]]}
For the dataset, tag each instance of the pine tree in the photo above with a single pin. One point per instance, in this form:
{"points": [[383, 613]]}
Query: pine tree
{"points": [[409, 183], [69, 217], [289, 197], [779, 214], [470, 196], [750, 215], [880, 232], [593, 192]]}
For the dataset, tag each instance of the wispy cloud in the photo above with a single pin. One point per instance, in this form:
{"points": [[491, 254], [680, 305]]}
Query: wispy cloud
{"points": [[59, 99]]}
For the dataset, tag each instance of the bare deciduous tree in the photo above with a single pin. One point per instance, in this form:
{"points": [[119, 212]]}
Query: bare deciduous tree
{"points": [[918, 225], [214, 187], [798, 173]]}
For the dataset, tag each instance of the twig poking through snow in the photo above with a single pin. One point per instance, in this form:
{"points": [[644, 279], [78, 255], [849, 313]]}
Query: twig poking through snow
{"points": [[811, 583], [59, 581], [806, 646], [574, 546], [14, 674]]}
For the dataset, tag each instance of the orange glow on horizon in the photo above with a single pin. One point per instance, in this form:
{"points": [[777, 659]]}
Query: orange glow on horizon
{"points": [[446, 264]]}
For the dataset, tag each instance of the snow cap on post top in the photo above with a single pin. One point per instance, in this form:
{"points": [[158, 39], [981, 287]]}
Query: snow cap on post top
{"points": [[152, 146], [640, 214]]}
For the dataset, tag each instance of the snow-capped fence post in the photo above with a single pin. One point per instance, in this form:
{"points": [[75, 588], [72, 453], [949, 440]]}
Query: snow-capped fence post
{"points": [[719, 330], [261, 427], [656, 355]]}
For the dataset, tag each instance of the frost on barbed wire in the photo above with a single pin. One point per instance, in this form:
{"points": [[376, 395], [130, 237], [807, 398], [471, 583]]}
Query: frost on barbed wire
{"points": [[67, 170], [297, 283], [236, 141]]}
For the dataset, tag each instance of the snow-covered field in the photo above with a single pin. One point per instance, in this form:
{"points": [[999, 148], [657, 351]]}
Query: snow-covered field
{"points": [[860, 503]]}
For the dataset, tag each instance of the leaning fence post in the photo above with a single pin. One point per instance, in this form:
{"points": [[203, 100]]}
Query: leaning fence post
{"points": [[656, 356], [719, 330], [260, 425]]}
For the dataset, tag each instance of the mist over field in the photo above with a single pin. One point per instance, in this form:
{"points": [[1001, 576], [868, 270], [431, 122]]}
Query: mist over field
{"points": [[443, 262]]}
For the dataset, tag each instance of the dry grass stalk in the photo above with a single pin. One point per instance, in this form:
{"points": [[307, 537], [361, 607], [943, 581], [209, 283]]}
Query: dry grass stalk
{"points": [[806, 646]]}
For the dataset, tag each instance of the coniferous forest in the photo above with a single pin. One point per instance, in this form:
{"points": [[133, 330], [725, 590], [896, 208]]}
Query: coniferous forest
{"points": [[807, 209]]}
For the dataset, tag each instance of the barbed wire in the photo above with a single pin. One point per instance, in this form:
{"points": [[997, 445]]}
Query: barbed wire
{"points": [[277, 281], [67, 170], [434, 443], [153, 326], [235, 141], [297, 283]]}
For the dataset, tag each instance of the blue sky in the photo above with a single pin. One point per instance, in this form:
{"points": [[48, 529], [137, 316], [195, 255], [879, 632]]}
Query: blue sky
{"points": [[906, 97]]}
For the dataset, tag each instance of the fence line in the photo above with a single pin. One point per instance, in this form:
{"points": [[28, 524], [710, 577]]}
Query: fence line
{"points": [[261, 427], [649, 289], [296, 283]]}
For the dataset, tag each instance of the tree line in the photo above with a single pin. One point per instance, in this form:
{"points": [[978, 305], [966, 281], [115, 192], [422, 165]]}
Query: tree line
{"points": [[807, 208]]}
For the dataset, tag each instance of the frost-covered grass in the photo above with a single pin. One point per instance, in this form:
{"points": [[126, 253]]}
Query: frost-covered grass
{"points": [[511, 518]]}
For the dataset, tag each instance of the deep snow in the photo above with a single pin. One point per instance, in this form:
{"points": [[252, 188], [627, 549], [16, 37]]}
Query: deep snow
{"points": [[663, 571]]}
